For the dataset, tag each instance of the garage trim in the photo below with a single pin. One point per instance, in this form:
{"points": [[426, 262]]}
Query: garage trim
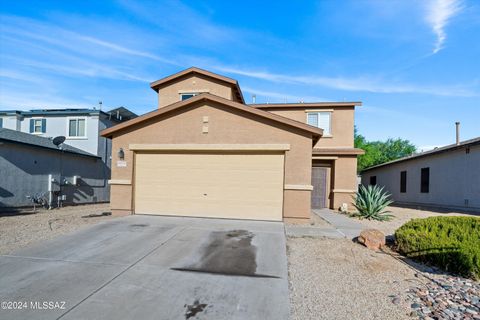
{"points": [[209, 147]]}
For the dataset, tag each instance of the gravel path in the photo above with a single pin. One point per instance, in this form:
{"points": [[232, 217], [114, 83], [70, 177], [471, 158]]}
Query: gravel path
{"points": [[338, 279], [18, 231]]}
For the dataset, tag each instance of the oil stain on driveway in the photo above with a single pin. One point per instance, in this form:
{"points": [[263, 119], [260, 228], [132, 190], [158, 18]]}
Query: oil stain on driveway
{"points": [[152, 267]]}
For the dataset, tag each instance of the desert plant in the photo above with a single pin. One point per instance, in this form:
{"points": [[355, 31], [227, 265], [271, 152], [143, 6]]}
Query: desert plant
{"points": [[371, 202], [450, 243]]}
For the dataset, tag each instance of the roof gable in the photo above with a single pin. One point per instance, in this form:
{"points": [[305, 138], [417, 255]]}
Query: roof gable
{"points": [[315, 132], [156, 85]]}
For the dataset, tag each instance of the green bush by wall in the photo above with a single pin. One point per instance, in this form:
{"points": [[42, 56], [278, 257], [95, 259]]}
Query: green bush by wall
{"points": [[450, 243]]}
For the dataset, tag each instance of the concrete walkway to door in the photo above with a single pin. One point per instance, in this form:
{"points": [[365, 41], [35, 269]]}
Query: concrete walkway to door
{"points": [[348, 227], [339, 226], [152, 267]]}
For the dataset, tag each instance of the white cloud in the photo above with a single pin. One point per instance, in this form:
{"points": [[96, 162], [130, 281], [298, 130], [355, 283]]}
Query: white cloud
{"points": [[438, 14], [122, 49], [22, 101], [367, 84]]}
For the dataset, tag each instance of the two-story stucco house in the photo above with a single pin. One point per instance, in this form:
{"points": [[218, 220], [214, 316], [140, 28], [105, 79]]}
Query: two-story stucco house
{"points": [[206, 153]]}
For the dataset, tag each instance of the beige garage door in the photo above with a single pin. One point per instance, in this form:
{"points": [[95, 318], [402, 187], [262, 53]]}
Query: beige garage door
{"points": [[240, 186]]}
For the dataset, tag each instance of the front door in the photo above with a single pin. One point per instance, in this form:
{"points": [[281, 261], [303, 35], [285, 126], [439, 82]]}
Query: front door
{"points": [[319, 192]]}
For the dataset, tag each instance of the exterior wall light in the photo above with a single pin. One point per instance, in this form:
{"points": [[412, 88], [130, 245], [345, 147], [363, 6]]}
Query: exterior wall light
{"points": [[121, 154]]}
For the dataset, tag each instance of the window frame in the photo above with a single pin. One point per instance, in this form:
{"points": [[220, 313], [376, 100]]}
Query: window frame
{"points": [[425, 180], [41, 120], [192, 94], [68, 136], [403, 181], [330, 115]]}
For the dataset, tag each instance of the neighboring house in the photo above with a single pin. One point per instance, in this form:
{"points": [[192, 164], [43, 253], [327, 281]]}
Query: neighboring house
{"points": [[81, 128], [206, 153], [32, 166], [447, 177]]}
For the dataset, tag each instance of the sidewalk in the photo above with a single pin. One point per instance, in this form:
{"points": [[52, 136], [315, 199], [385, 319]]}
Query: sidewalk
{"points": [[348, 227]]}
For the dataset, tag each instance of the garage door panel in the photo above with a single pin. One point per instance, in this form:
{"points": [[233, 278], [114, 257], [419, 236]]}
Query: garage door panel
{"points": [[242, 186]]}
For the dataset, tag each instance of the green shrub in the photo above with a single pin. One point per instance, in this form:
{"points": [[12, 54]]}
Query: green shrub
{"points": [[371, 202], [450, 243]]}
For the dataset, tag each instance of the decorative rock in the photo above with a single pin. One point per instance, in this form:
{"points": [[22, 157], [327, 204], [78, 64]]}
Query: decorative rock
{"points": [[372, 238]]}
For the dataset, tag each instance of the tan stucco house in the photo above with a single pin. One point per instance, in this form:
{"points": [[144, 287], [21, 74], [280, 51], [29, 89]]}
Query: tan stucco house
{"points": [[206, 153]]}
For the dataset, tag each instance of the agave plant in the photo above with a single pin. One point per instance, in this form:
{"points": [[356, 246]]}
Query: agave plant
{"points": [[371, 202]]}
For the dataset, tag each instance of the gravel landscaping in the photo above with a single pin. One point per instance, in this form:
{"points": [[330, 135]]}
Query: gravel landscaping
{"points": [[339, 279], [20, 230], [445, 297]]}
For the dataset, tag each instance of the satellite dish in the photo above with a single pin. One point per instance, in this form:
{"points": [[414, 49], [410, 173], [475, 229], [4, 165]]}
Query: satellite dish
{"points": [[58, 140]]}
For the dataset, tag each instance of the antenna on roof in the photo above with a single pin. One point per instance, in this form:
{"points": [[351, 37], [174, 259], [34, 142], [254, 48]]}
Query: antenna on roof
{"points": [[58, 140]]}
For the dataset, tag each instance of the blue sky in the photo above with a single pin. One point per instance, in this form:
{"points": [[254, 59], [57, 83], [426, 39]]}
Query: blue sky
{"points": [[414, 64]]}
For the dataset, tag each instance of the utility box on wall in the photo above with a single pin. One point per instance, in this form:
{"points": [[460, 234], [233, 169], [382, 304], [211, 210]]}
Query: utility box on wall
{"points": [[76, 180], [53, 182]]}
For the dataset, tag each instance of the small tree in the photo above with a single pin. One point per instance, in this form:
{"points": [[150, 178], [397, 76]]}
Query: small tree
{"points": [[378, 152]]}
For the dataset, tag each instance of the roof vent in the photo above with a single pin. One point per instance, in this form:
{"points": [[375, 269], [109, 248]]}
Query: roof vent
{"points": [[457, 127]]}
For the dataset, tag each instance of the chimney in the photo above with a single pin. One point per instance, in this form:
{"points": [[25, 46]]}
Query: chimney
{"points": [[254, 98], [457, 125]]}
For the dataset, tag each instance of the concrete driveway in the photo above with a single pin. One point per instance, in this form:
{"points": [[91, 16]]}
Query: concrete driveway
{"points": [[152, 267]]}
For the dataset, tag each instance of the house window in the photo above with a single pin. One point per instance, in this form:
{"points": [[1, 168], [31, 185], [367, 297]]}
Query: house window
{"points": [[321, 120], [185, 96], [38, 125], [373, 180], [403, 181], [425, 180], [76, 127]]}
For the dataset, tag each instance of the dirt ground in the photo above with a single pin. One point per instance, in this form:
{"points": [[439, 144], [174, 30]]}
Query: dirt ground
{"points": [[20, 230], [339, 279], [402, 216]]}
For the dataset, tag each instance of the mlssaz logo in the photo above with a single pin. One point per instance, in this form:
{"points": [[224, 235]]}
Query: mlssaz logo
{"points": [[47, 305]]}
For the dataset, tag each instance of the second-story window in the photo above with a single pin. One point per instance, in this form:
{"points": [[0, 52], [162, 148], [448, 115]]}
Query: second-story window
{"points": [[322, 119], [38, 125], [185, 96], [76, 127]]}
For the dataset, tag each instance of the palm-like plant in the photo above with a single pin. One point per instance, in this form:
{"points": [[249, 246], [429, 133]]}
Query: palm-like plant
{"points": [[371, 202]]}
